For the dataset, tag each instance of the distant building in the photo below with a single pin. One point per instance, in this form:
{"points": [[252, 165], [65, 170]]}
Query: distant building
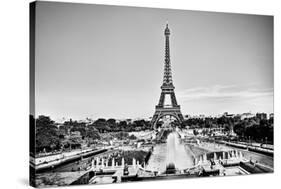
{"points": [[237, 116], [129, 121], [75, 134], [261, 116], [247, 115], [226, 114], [201, 116]]}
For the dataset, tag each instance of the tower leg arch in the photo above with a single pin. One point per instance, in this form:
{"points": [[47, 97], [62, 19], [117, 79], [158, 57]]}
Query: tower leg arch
{"points": [[158, 115]]}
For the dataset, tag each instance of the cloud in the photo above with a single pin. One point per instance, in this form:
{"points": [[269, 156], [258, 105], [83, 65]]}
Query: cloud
{"points": [[224, 92]]}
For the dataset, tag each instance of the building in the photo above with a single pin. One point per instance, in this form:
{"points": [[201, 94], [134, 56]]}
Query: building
{"points": [[201, 116], [226, 114], [261, 116], [247, 115]]}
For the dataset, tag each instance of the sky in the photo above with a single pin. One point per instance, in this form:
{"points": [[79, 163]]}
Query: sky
{"points": [[108, 61]]}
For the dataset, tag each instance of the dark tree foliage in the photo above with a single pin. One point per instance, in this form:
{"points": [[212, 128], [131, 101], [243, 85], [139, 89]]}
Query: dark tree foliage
{"points": [[100, 120], [123, 125], [111, 121], [92, 133], [140, 123], [240, 128], [256, 130], [46, 134], [132, 137]]}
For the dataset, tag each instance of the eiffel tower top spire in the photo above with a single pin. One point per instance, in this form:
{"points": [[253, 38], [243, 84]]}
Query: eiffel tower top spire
{"points": [[167, 79]]}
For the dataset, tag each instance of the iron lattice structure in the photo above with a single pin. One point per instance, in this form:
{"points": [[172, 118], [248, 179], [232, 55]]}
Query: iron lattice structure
{"points": [[167, 89]]}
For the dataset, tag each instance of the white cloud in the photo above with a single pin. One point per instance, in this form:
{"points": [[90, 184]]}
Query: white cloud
{"points": [[223, 92]]}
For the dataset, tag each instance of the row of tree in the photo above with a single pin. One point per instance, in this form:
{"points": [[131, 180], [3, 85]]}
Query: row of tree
{"points": [[261, 131], [47, 136], [250, 128], [50, 136]]}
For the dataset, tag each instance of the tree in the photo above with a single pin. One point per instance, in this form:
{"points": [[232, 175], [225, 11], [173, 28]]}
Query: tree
{"points": [[46, 134], [111, 121], [256, 130], [92, 133], [132, 137], [100, 120], [122, 125], [112, 124], [239, 128]]}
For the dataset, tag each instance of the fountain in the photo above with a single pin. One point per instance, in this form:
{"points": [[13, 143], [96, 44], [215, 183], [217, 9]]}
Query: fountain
{"points": [[229, 155], [195, 161], [170, 168], [134, 163], [106, 163], [215, 156], [171, 148], [170, 156], [201, 159], [113, 162], [240, 155], [205, 157], [102, 163], [93, 164], [98, 162], [122, 162]]}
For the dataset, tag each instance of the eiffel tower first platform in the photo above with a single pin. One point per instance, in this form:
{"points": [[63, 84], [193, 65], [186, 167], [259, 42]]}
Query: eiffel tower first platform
{"points": [[167, 90]]}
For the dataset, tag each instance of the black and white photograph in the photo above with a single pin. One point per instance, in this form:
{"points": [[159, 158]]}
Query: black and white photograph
{"points": [[123, 94]]}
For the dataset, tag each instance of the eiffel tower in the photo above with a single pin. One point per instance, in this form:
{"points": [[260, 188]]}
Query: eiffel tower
{"points": [[167, 90]]}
